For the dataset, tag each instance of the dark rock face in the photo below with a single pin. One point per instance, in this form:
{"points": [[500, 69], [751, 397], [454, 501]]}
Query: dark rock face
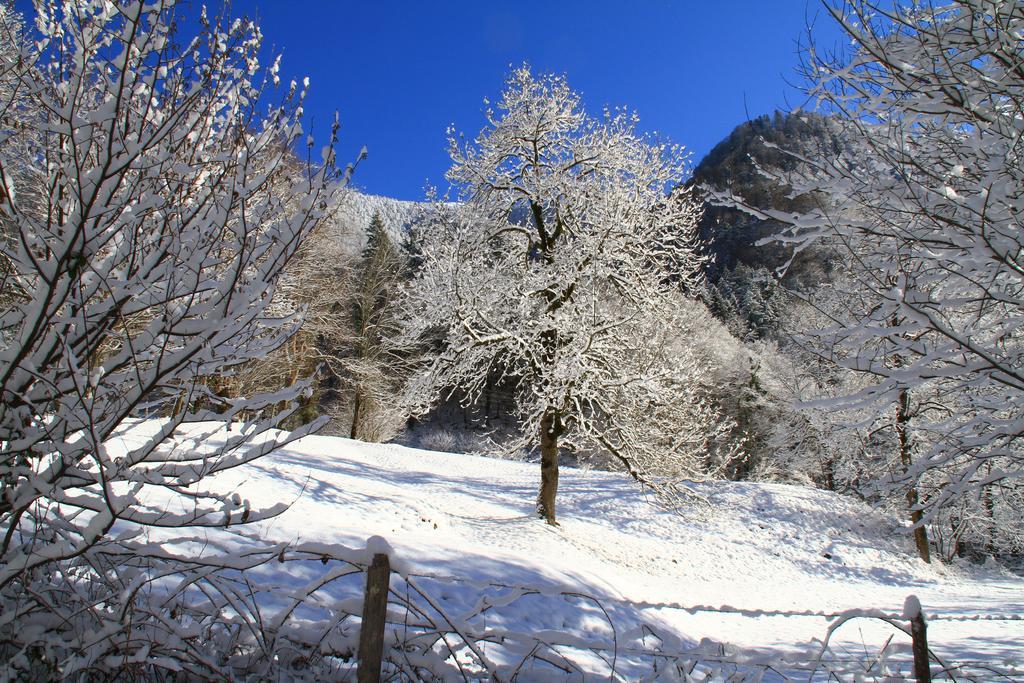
{"points": [[738, 164]]}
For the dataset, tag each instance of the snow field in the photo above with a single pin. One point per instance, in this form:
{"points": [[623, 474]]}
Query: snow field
{"points": [[620, 571]]}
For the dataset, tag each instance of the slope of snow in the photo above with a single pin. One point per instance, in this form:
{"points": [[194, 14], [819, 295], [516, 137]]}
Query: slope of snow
{"points": [[751, 549], [355, 211]]}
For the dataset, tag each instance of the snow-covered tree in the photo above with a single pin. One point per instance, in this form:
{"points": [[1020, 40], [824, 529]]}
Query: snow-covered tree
{"points": [[750, 301], [929, 212], [146, 265], [17, 134], [556, 274], [314, 284], [344, 279]]}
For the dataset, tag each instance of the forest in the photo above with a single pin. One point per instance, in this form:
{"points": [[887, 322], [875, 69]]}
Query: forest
{"points": [[189, 285]]}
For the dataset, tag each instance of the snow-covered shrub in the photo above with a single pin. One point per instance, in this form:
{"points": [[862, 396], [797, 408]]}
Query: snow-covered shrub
{"points": [[164, 208], [448, 439]]}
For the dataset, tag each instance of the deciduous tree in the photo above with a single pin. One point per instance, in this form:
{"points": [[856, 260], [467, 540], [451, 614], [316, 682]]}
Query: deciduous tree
{"points": [[146, 264], [928, 210], [557, 272]]}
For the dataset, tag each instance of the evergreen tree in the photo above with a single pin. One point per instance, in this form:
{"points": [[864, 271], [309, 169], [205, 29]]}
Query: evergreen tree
{"points": [[375, 365]]}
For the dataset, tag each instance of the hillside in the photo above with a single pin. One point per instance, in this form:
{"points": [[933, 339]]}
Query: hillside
{"points": [[357, 209], [749, 548]]}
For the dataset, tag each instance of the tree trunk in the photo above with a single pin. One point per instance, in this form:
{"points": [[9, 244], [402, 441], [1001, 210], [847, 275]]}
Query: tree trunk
{"points": [[357, 402], [902, 417], [550, 428], [989, 505], [487, 400], [828, 473]]}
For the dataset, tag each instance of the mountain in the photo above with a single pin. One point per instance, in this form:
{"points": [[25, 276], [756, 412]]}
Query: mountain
{"points": [[773, 143], [356, 209]]}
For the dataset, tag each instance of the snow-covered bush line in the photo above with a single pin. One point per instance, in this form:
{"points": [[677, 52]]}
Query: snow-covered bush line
{"points": [[293, 612]]}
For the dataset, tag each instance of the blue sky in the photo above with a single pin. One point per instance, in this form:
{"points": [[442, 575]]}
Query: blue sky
{"points": [[399, 72]]}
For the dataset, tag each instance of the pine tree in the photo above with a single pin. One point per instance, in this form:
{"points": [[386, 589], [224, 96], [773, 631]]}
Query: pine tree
{"points": [[374, 365]]}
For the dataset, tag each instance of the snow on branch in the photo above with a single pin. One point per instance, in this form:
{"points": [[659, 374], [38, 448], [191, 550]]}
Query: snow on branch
{"points": [[150, 205]]}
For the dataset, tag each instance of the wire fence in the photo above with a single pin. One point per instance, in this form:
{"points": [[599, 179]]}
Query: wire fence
{"points": [[727, 609], [610, 639], [315, 611]]}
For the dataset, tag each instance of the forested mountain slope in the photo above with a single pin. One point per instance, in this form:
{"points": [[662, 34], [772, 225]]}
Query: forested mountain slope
{"points": [[744, 163]]}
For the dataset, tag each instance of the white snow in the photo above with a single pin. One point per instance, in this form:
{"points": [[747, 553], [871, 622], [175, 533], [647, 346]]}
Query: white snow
{"points": [[716, 572], [911, 607]]}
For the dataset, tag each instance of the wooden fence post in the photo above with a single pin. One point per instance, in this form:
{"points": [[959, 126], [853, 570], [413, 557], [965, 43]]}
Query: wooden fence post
{"points": [[919, 633], [375, 608]]}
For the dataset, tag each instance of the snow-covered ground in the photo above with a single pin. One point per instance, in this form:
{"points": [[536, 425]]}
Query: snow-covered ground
{"points": [[638, 570]]}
